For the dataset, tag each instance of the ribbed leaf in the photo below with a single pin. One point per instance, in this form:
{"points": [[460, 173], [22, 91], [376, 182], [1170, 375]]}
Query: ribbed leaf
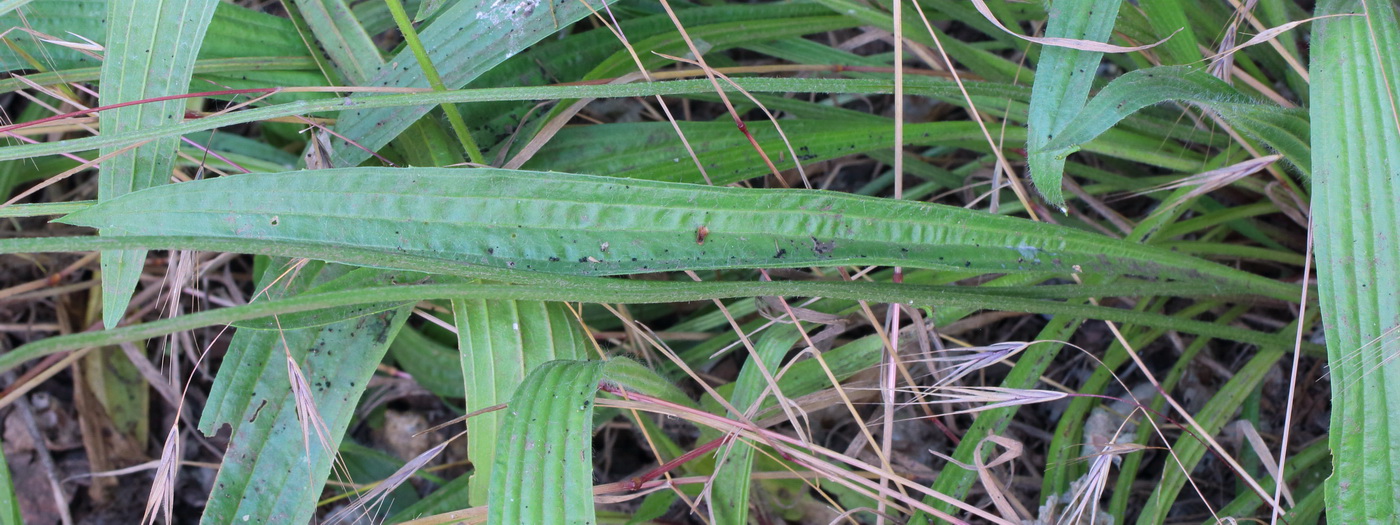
{"points": [[342, 37], [267, 476], [561, 223], [544, 472], [151, 47], [501, 342], [464, 41], [235, 33], [1356, 205], [1063, 78]]}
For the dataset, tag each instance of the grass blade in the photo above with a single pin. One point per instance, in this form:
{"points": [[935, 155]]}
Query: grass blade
{"points": [[464, 41], [151, 48], [1282, 129], [1356, 83]]}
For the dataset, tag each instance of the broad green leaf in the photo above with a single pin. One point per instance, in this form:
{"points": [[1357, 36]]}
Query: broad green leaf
{"points": [[1282, 129], [586, 225], [345, 42], [732, 481], [1063, 77], [1356, 191], [465, 40], [151, 47], [501, 343], [544, 472], [267, 476]]}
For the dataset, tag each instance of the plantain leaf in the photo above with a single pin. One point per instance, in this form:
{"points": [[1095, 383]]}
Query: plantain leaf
{"points": [[577, 224], [1063, 77], [151, 47], [265, 474], [1356, 139], [501, 343], [342, 37], [544, 473]]}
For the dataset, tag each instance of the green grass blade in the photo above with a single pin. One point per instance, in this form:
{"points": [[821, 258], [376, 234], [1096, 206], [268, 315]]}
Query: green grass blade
{"points": [[501, 342], [1063, 78], [151, 48], [732, 481], [1282, 129], [577, 224], [464, 41], [433, 365], [594, 290], [9, 504], [1189, 449], [306, 107], [1356, 194], [10, 5]]}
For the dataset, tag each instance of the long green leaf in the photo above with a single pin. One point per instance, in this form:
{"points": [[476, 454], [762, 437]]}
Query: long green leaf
{"points": [[1283, 130], [576, 224], [151, 47], [1063, 78], [732, 481], [502, 342], [306, 107], [1356, 204]]}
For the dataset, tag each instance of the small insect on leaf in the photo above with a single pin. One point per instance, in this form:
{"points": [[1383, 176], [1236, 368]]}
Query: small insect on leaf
{"points": [[700, 234]]}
